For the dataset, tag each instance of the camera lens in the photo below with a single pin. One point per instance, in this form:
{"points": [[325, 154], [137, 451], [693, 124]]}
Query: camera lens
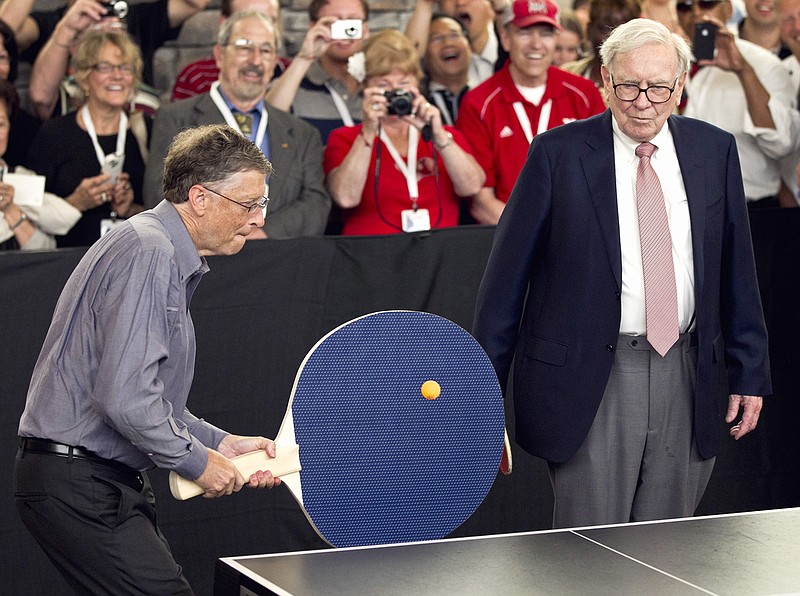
{"points": [[399, 102], [350, 32]]}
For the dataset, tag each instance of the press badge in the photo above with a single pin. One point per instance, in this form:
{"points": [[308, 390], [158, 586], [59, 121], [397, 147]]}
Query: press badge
{"points": [[418, 220], [106, 225]]}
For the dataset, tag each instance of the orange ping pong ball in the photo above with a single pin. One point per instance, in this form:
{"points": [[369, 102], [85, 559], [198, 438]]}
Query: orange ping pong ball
{"points": [[430, 390]]}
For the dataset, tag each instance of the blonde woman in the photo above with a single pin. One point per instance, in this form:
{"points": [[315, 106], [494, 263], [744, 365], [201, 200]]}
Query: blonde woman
{"points": [[425, 168], [91, 157]]}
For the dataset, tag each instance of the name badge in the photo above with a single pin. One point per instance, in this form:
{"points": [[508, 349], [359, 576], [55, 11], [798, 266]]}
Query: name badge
{"points": [[415, 221]]}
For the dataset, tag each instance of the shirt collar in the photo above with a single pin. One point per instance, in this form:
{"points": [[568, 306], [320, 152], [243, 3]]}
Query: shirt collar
{"points": [[622, 142], [258, 108], [189, 261]]}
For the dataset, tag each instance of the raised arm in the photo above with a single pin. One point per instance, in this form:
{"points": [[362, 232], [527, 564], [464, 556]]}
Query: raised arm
{"points": [[52, 62], [16, 14], [283, 90], [180, 10]]}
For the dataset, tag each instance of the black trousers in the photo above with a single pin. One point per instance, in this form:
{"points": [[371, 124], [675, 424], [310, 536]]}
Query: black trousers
{"points": [[96, 521]]}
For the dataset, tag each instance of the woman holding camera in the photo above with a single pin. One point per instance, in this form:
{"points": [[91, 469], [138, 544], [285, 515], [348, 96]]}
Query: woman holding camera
{"points": [[94, 157], [385, 173]]}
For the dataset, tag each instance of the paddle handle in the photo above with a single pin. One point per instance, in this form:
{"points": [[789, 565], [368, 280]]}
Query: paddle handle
{"points": [[287, 461]]}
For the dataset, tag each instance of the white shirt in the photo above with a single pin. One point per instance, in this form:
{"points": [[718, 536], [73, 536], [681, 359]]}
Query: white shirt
{"points": [[665, 164], [481, 66], [717, 96], [789, 163]]}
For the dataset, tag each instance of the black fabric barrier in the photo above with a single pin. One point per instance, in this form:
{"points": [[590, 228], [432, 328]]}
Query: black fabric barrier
{"points": [[258, 313]]}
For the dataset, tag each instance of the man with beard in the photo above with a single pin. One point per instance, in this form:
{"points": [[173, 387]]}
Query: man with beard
{"points": [[246, 55], [502, 115], [317, 85]]}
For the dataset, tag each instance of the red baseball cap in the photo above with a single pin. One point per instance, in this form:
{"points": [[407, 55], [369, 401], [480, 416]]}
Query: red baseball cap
{"points": [[524, 13]]}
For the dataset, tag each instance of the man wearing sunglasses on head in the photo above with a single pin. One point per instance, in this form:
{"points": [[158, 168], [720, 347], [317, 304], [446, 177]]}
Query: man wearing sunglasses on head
{"points": [[246, 56], [745, 90]]}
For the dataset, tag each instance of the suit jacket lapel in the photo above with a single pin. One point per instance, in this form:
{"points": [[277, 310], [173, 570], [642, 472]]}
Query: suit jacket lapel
{"points": [[690, 158], [598, 167], [280, 140]]}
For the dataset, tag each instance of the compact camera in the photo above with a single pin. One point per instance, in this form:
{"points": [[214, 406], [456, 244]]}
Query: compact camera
{"points": [[116, 8], [346, 29], [400, 102]]}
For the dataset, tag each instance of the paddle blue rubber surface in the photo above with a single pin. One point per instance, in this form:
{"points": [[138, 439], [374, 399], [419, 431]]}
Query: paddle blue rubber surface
{"points": [[382, 464]]}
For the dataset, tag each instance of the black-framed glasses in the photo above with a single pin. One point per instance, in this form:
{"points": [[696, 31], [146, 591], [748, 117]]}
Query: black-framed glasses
{"points": [[244, 48], [702, 4], [251, 207], [653, 93]]}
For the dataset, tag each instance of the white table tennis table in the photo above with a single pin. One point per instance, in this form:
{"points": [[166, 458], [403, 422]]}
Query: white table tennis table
{"points": [[744, 553]]}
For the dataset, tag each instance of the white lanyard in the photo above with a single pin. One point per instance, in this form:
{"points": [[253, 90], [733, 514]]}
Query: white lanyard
{"points": [[122, 133], [341, 107], [439, 101], [525, 123], [231, 121], [409, 169]]}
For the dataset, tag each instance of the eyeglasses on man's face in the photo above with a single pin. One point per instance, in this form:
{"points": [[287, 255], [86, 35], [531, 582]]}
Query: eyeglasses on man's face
{"points": [[251, 207], [244, 48], [653, 93]]}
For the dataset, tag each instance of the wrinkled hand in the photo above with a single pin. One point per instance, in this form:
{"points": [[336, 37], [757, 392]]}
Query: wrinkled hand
{"points": [[220, 476], [373, 108], [122, 195], [424, 113], [233, 445], [92, 192], [751, 406]]}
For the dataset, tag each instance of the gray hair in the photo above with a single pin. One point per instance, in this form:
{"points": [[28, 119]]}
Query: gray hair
{"points": [[224, 34], [209, 155], [638, 33]]}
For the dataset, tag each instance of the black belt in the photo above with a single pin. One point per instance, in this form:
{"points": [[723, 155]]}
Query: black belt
{"points": [[47, 447], [126, 474]]}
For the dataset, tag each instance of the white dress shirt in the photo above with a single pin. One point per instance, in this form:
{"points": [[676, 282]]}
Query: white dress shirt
{"points": [[717, 96], [665, 164]]}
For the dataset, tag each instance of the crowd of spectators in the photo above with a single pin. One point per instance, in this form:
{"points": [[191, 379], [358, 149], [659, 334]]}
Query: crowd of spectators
{"points": [[369, 132]]}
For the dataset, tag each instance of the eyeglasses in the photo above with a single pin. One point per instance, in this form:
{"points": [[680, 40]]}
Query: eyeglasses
{"points": [[251, 207], [245, 48], [453, 36], [105, 68], [702, 4], [653, 93]]}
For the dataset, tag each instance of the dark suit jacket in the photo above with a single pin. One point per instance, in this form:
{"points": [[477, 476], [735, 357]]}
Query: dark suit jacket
{"points": [[299, 204], [551, 292]]}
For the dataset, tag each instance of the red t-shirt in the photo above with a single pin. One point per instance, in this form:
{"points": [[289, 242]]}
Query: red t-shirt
{"points": [[393, 195], [488, 120]]}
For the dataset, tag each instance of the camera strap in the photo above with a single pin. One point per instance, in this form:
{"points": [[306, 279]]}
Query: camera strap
{"points": [[409, 168], [341, 107], [122, 133]]}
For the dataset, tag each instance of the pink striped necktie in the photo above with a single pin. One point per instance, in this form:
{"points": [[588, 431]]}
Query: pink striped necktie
{"points": [[660, 295]]}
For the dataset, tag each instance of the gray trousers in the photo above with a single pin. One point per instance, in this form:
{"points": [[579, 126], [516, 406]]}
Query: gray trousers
{"points": [[639, 461]]}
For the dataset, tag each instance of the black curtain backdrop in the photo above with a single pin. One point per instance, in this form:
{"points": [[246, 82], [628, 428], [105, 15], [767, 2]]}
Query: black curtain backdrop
{"points": [[259, 312]]}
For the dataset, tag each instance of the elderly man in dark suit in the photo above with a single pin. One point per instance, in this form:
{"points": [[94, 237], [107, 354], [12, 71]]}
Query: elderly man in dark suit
{"points": [[622, 284], [246, 52]]}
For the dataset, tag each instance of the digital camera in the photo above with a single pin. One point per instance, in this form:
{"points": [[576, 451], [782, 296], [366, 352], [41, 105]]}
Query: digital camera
{"points": [[116, 8], [346, 29], [400, 102]]}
